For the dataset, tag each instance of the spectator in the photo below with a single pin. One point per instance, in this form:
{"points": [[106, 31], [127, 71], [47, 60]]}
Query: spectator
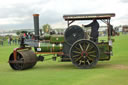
{"points": [[15, 41], [9, 43], [1, 42], [29, 35], [18, 40], [9, 40]]}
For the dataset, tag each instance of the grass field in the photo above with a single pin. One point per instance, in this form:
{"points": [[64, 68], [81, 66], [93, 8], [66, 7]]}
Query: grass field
{"points": [[113, 72]]}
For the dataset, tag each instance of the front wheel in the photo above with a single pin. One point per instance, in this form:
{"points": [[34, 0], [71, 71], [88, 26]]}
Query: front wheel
{"points": [[84, 54], [24, 59]]}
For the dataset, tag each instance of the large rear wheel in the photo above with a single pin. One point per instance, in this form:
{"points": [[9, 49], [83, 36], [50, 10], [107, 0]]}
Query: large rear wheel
{"points": [[84, 54]]}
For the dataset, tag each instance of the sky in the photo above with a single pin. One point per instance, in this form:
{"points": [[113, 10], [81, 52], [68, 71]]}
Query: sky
{"points": [[17, 14]]}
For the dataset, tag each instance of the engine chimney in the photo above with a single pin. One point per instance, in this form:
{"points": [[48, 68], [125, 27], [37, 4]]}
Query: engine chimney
{"points": [[36, 25]]}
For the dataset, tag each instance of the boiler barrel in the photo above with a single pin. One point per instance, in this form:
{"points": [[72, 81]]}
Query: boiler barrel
{"points": [[48, 47]]}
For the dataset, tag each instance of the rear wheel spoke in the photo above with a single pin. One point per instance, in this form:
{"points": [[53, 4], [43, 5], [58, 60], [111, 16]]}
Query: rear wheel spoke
{"points": [[80, 62], [76, 52], [88, 62], [91, 52], [90, 58], [78, 59], [77, 48], [75, 56], [87, 47], [93, 56], [81, 47], [84, 46], [84, 62]]}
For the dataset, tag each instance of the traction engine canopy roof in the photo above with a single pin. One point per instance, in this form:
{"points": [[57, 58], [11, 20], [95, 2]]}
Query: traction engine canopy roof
{"points": [[88, 16]]}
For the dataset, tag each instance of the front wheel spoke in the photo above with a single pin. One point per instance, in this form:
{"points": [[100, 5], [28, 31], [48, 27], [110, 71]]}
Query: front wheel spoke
{"points": [[21, 65], [17, 57], [16, 65]]}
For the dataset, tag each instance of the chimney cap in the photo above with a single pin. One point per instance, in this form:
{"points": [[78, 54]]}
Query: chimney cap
{"points": [[35, 14]]}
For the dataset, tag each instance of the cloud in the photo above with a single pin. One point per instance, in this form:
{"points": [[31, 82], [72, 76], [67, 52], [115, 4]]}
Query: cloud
{"points": [[17, 14], [124, 1]]}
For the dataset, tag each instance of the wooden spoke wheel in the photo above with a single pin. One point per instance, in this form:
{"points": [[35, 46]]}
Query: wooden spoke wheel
{"points": [[84, 54]]}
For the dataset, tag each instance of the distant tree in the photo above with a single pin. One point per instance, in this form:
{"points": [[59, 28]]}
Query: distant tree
{"points": [[23, 31], [46, 28], [18, 32]]}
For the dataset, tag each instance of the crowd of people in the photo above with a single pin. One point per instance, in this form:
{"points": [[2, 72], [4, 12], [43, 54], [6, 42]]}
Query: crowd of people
{"points": [[14, 41], [10, 40]]}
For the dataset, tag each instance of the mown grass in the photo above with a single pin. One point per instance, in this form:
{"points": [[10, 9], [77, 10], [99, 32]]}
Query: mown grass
{"points": [[113, 72]]}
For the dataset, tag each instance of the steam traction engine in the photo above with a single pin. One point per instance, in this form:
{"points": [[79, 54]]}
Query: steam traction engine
{"points": [[76, 45]]}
